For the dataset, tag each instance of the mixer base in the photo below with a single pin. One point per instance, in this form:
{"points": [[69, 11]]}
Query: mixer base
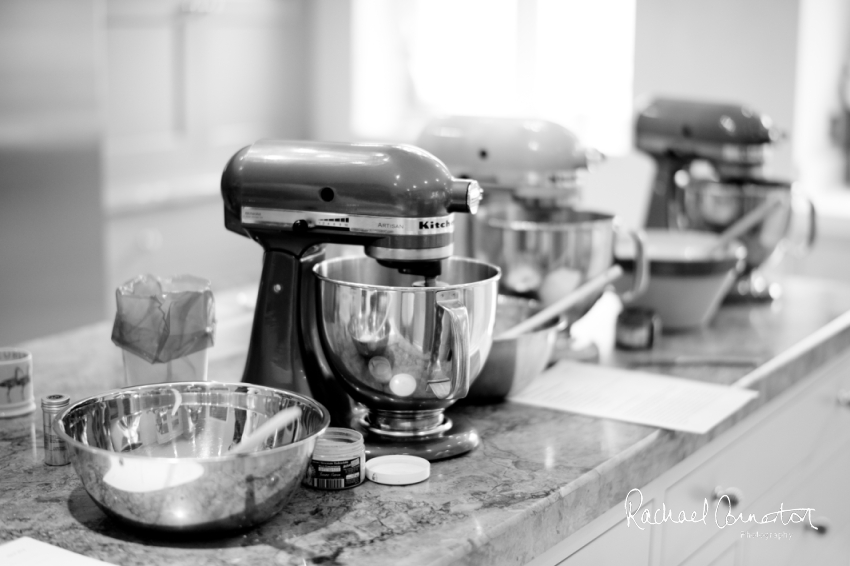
{"points": [[453, 440], [753, 288]]}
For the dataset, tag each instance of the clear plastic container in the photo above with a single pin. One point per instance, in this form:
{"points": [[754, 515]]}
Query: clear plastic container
{"points": [[138, 371], [339, 460]]}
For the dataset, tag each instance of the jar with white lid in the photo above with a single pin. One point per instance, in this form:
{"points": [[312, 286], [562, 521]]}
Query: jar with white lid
{"points": [[339, 460]]}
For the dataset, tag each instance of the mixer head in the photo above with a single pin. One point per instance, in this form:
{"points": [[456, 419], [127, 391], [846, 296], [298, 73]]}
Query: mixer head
{"points": [[721, 133], [532, 159], [395, 200]]}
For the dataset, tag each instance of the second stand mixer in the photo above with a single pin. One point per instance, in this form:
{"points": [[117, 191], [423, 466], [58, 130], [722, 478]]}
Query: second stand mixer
{"points": [[403, 331], [530, 225]]}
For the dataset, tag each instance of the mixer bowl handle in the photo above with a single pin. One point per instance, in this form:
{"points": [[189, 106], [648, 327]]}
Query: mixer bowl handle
{"points": [[641, 279], [454, 310]]}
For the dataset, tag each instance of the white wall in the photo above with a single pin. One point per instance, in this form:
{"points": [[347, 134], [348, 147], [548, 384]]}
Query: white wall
{"points": [[742, 51]]}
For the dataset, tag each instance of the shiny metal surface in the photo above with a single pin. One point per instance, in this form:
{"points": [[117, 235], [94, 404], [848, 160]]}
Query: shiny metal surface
{"points": [[514, 362], [404, 350], [714, 206], [155, 456], [549, 251]]}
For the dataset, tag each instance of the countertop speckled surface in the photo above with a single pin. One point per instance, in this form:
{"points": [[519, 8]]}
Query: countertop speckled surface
{"points": [[539, 475]]}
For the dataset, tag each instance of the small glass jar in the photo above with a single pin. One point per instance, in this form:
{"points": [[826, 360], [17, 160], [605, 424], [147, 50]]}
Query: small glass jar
{"points": [[339, 460], [55, 450]]}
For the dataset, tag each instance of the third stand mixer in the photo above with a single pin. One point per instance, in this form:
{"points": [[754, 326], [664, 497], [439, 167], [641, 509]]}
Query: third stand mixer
{"points": [[709, 158], [403, 331]]}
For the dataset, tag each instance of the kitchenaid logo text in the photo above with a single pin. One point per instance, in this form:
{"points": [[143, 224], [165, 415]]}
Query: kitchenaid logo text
{"points": [[721, 519], [434, 224]]}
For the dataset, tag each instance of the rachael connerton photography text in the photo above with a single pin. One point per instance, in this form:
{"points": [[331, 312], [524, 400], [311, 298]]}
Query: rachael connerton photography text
{"points": [[723, 515]]}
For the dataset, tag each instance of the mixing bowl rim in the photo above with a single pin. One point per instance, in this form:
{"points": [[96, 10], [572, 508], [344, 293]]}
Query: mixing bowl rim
{"points": [[326, 279], [59, 424], [601, 218], [739, 185], [736, 252]]}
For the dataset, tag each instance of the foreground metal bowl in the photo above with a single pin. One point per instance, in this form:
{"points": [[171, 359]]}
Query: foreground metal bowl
{"points": [[514, 362], [155, 456]]}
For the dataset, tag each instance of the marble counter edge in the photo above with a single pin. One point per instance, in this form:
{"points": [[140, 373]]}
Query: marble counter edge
{"points": [[530, 533]]}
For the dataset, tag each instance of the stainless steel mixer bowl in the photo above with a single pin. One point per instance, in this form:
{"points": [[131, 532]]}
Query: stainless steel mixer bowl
{"points": [[514, 362], [540, 249], [155, 456], [714, 206], [400, 346]]}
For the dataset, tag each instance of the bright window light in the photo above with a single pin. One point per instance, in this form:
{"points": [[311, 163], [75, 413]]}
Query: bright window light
{"points": [[569, 61]]}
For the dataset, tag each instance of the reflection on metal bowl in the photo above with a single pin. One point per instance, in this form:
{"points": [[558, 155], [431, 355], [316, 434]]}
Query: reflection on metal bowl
{"points": [[399, 347], [514, 362], [545, 253], [155, 456], [714, 206]]}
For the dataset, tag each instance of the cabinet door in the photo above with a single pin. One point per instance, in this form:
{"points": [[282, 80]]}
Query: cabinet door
{"points": [[827, 491], [189, 82], [620, 545]]}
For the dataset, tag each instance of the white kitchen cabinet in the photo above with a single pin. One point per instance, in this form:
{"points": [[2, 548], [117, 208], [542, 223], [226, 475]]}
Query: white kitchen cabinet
{"points": [[187, 239], [794, 451], [189, 82]]}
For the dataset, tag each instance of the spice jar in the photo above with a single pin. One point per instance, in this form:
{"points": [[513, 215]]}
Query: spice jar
{"points": [[55, 451], [339, 460]]}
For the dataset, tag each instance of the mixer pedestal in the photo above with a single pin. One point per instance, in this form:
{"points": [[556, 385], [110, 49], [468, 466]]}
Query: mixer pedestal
{"points": [[449, 439], [753, 287]]}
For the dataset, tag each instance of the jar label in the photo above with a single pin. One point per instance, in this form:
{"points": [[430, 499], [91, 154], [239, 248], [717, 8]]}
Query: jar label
{"points": [[341, 474]]}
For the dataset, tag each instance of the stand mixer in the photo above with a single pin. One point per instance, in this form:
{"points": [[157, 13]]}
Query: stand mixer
{"points": [[530, 225], [709, 158], [381, 330]]}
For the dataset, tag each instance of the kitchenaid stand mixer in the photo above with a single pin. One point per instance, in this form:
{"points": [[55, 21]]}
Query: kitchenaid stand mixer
{"points": [[397, 202], [709, 159], [530, 225]]}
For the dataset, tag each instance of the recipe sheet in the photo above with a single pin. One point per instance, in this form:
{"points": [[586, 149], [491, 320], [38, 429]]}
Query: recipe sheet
{"points": [[672, 403], [26, 551]]}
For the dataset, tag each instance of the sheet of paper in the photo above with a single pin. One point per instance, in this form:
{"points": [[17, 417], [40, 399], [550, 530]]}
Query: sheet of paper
{"points": [[30, 552], [638, 397]]}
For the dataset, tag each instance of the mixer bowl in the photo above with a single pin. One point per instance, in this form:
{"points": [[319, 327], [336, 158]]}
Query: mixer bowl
{"points": [[714, 206], [398, 346], [544, 253], [689, 278], [155, 456], [514, 362]]}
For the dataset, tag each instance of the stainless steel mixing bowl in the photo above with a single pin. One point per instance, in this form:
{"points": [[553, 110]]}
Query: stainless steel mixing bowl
{"points": [[404, 350], [513, 363], [714, 206], [544, 253], [155, 456]]}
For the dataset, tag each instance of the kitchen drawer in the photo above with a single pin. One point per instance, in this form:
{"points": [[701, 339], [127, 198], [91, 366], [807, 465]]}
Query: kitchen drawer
{"points": [[808, 420], [620, 545], [827, 491]]}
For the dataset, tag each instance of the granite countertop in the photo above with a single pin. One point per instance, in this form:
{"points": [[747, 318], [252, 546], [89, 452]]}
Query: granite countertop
{"points": [[539, 475]]}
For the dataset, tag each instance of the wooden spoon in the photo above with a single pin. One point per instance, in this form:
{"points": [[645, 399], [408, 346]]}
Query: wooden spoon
{"points": [[582, 293], [265, 430]]}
